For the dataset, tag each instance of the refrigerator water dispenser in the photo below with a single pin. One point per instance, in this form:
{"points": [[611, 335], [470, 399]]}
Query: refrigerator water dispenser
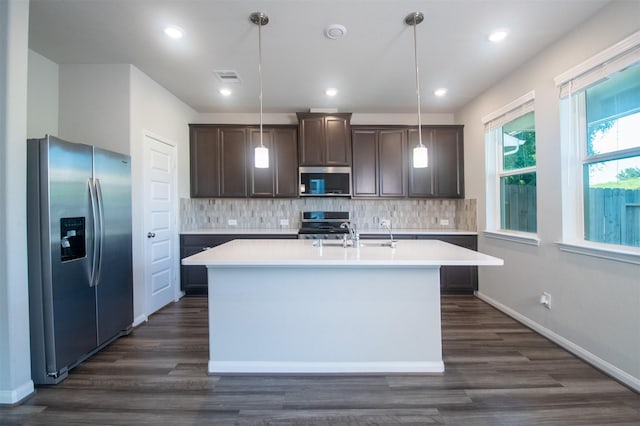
{"points": [[72, 238]]}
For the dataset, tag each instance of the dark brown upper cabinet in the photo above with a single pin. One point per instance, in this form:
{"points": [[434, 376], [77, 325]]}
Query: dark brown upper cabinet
{"points": [[233, 162], [444, 178], [324, 139], [221, 160], [280, 179], [218, 161], [204, 157], [379, 162]]}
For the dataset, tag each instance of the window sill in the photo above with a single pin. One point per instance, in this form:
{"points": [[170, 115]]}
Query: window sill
{"points": [[522, 238], [603, 251]]}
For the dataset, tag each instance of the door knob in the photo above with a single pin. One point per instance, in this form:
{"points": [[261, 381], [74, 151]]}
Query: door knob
{"points": [[151, 234]]}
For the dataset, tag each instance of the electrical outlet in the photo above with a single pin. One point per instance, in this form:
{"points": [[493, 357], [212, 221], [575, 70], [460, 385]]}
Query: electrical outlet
{"points": [[232, 222], [545, 300], [284, 222], [444, 222], [385, 223]]}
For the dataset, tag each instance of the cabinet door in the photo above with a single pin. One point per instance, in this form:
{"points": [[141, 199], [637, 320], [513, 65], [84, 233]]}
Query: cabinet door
{"points": [[420, 180], [391, 163], [233, 162], [444, 178], [193, 279], [448, 152], [457, 279], [204, 155], [286, 162], [280, 179], [365, 163], [337, 141], [311, 141]]}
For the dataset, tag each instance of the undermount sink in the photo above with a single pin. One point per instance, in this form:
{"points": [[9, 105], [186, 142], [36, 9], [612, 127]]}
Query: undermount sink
{"points": [[391, 244], [338, 243]]}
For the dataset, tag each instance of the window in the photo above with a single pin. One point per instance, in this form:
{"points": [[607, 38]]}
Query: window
{"points": [[518, 174], [611, 162], [511, 164], [601, 142]]}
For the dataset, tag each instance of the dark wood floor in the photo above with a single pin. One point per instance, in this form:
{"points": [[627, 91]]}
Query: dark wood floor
{"points": [[497, 373]]}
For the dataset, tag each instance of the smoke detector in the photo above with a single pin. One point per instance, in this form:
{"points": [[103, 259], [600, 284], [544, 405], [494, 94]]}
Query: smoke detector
{"points": [[335, 31]]}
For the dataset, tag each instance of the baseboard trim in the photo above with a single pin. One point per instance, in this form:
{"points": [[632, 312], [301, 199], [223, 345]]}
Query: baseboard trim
{"points": [[579, 351], [262, 367], [16, 396], [139, 320]]}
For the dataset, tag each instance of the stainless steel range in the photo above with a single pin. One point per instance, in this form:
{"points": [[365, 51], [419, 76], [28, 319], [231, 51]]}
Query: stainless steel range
{"points": [[322, 225]]}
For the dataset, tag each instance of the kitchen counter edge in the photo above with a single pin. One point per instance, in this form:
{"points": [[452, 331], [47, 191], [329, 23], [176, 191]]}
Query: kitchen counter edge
{"points": [[277, 231]]}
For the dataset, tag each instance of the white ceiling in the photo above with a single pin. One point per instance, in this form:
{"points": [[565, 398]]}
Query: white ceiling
{"points": [[372, 66]]}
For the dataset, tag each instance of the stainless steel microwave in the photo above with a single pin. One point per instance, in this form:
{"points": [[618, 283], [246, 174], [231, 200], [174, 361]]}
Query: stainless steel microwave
{"points": [[325, 181]]}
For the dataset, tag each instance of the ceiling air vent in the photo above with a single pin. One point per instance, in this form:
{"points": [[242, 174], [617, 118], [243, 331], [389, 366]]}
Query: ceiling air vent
{"points": [[227, 76]]}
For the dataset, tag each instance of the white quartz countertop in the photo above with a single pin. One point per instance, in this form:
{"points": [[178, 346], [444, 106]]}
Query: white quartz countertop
{"points": [[291, 231], [305, 253], [241, 231]]}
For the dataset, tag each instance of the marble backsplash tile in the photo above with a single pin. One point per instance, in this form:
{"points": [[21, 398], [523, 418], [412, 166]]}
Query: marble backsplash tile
{"points": [[199, 213]]}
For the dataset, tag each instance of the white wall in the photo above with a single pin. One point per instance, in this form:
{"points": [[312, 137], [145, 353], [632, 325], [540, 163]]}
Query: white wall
{"points": [[154, 110], [595, 302], [42, 96], [95, 106], [110, 105], [15, 373]]}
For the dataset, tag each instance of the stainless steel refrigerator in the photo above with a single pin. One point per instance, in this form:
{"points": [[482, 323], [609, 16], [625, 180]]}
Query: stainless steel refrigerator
{"points": [[79, 248]]}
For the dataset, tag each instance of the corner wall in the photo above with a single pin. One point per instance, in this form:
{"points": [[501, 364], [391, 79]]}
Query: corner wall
{"points": [[595, 302], [154, 109], [42, 97], [94, 105], [15, 367]]}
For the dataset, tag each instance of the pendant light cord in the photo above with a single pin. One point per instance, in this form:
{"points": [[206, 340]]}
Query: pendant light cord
{"points": [[260, 74], [415, 55]]}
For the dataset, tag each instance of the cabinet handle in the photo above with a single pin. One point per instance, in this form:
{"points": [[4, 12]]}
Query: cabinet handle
{"points": [[151, 234]]}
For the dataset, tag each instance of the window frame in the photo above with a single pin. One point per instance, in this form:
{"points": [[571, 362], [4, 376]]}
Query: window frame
{"points": [[495, 169], [572, 85]]}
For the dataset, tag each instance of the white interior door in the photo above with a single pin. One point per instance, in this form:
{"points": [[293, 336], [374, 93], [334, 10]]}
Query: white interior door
{"points": [[160, 210]]}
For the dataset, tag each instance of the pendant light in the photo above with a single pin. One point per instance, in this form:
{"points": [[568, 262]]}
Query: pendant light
{"points": [[420, 153], [261, 155]]}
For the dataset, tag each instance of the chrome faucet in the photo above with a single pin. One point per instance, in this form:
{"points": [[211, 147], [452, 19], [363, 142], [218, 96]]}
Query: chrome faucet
{"points": [[353, 233], [392, 242]]}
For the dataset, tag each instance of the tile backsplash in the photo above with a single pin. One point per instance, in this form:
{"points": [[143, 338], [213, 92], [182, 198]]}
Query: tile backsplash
{"points": [[205, 213]]}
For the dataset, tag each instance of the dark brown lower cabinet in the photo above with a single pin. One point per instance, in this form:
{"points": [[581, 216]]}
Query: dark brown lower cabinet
{"points": [[193, 279], [457, 279], [453, 279]]}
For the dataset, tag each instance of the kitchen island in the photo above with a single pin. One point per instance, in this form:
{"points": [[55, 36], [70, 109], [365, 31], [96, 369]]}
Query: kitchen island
{"points": [[292, 306]]}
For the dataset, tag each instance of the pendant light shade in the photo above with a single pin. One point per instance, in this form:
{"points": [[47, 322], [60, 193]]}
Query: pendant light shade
{"points": [[420, 157], [261, 154], [261, 157], [420, 153]]}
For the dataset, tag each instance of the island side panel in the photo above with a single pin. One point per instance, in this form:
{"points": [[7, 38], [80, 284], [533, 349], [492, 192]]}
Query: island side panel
{"points": [[324, 319]]}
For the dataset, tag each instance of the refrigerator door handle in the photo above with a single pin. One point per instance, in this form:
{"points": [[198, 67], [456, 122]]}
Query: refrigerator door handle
{"points": [[96, 231], [100, 234]]}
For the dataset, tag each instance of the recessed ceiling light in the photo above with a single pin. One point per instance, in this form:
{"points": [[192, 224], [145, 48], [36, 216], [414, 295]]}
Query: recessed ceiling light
{"points": [[174, 32], [498, 35], [331, 92], [335, 31], [440, 92], [225, 92]]}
